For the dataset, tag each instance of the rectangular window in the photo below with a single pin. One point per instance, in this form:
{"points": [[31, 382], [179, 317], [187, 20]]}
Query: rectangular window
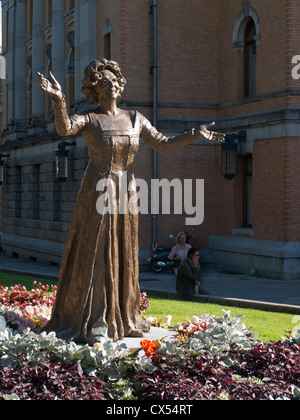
{"points": [[250, 60], [107, 46], [248, 192], [18, 192], [36, 192], [57, 209], [107, 39]]}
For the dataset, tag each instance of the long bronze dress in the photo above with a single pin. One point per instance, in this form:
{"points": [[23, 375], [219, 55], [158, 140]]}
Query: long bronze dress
{"points": [[98, 291]]}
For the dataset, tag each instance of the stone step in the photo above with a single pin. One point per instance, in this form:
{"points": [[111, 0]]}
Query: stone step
{"points": [[134, 344]]}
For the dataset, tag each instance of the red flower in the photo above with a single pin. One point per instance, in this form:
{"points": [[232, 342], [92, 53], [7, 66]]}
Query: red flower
{"points": [[150, 347]]}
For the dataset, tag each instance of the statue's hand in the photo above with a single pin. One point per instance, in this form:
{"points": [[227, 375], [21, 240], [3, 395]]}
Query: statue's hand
{"points": [[51, 87], [209, 136]]}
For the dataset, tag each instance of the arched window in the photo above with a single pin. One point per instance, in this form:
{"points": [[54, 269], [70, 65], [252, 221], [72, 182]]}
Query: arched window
{"points": [[249, 59], [246, 38]]}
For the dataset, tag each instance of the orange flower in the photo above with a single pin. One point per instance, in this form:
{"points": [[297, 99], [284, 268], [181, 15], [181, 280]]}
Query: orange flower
{"points": [[150, 347]]}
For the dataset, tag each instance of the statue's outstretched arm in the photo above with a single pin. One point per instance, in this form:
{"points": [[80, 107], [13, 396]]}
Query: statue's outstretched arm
{"points": [[65, 125]]}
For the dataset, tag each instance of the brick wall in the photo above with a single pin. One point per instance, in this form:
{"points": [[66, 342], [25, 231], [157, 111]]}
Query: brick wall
{"points": [[276, 189]]}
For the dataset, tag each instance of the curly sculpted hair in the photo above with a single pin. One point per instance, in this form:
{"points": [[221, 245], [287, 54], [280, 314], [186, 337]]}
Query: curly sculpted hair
{"points": [[93, 76]]}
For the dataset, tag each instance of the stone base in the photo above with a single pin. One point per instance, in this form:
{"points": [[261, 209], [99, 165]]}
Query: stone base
{"points": [[134, 344], [273, 259], [32, 249]]}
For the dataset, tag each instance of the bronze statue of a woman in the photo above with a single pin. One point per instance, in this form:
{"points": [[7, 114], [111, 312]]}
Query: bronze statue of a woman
{"points": [[98, 290]]}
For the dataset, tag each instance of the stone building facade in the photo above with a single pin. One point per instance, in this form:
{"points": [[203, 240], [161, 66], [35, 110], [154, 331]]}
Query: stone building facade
{"points": [[225, 61]]}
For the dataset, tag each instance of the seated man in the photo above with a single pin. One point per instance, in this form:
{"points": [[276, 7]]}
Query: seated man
{"points": [[188, 276]]}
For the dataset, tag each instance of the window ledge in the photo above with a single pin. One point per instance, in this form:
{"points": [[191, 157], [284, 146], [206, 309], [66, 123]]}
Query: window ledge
{"points": [[243, 231]]}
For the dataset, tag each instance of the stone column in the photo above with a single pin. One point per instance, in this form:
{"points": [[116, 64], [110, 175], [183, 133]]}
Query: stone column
{"points": [[77, 94], [58, 41], [38, 53], [11, 63], [85, 39], [20, 64]]}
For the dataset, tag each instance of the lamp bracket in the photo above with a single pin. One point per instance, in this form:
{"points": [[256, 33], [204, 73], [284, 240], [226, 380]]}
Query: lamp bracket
{"points": [[241, 137], [64, 144]]}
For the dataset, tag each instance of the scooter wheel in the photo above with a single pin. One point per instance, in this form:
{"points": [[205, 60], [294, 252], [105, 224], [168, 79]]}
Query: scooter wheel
{"points": [[155, 267]]}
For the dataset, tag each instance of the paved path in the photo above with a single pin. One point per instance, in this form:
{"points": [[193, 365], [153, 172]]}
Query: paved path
{"points": [[234, 289], [226, 289]]}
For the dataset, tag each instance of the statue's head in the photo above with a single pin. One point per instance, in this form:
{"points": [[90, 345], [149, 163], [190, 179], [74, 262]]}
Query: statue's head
{"points": [[96, 73]]}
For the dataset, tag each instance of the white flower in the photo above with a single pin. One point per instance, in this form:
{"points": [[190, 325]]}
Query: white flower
{"points": [[42, 312], [195, 320], [98, 346], [30, 310], [150, 319]]}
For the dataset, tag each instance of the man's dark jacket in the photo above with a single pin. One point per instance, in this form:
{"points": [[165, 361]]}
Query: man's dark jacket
{"points": [[187, 276]]}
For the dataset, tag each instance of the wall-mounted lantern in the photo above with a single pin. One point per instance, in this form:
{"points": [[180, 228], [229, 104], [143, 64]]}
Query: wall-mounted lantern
{"points": [[2, 163], [62, 163], [229, 160]]}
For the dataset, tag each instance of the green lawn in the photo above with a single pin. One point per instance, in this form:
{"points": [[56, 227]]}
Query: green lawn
{"points": [[8, 280], [269, 325]]}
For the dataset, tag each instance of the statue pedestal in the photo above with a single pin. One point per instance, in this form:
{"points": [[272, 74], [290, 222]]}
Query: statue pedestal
{"points": [[133, 344]]}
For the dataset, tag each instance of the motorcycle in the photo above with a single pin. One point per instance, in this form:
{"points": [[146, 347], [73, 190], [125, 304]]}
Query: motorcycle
{"points": [[159, 260]]}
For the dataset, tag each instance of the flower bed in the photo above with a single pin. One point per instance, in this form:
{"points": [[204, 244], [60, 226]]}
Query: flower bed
{"points": [[209, 358], [265, 372], [27, 309], [49, 381]]}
